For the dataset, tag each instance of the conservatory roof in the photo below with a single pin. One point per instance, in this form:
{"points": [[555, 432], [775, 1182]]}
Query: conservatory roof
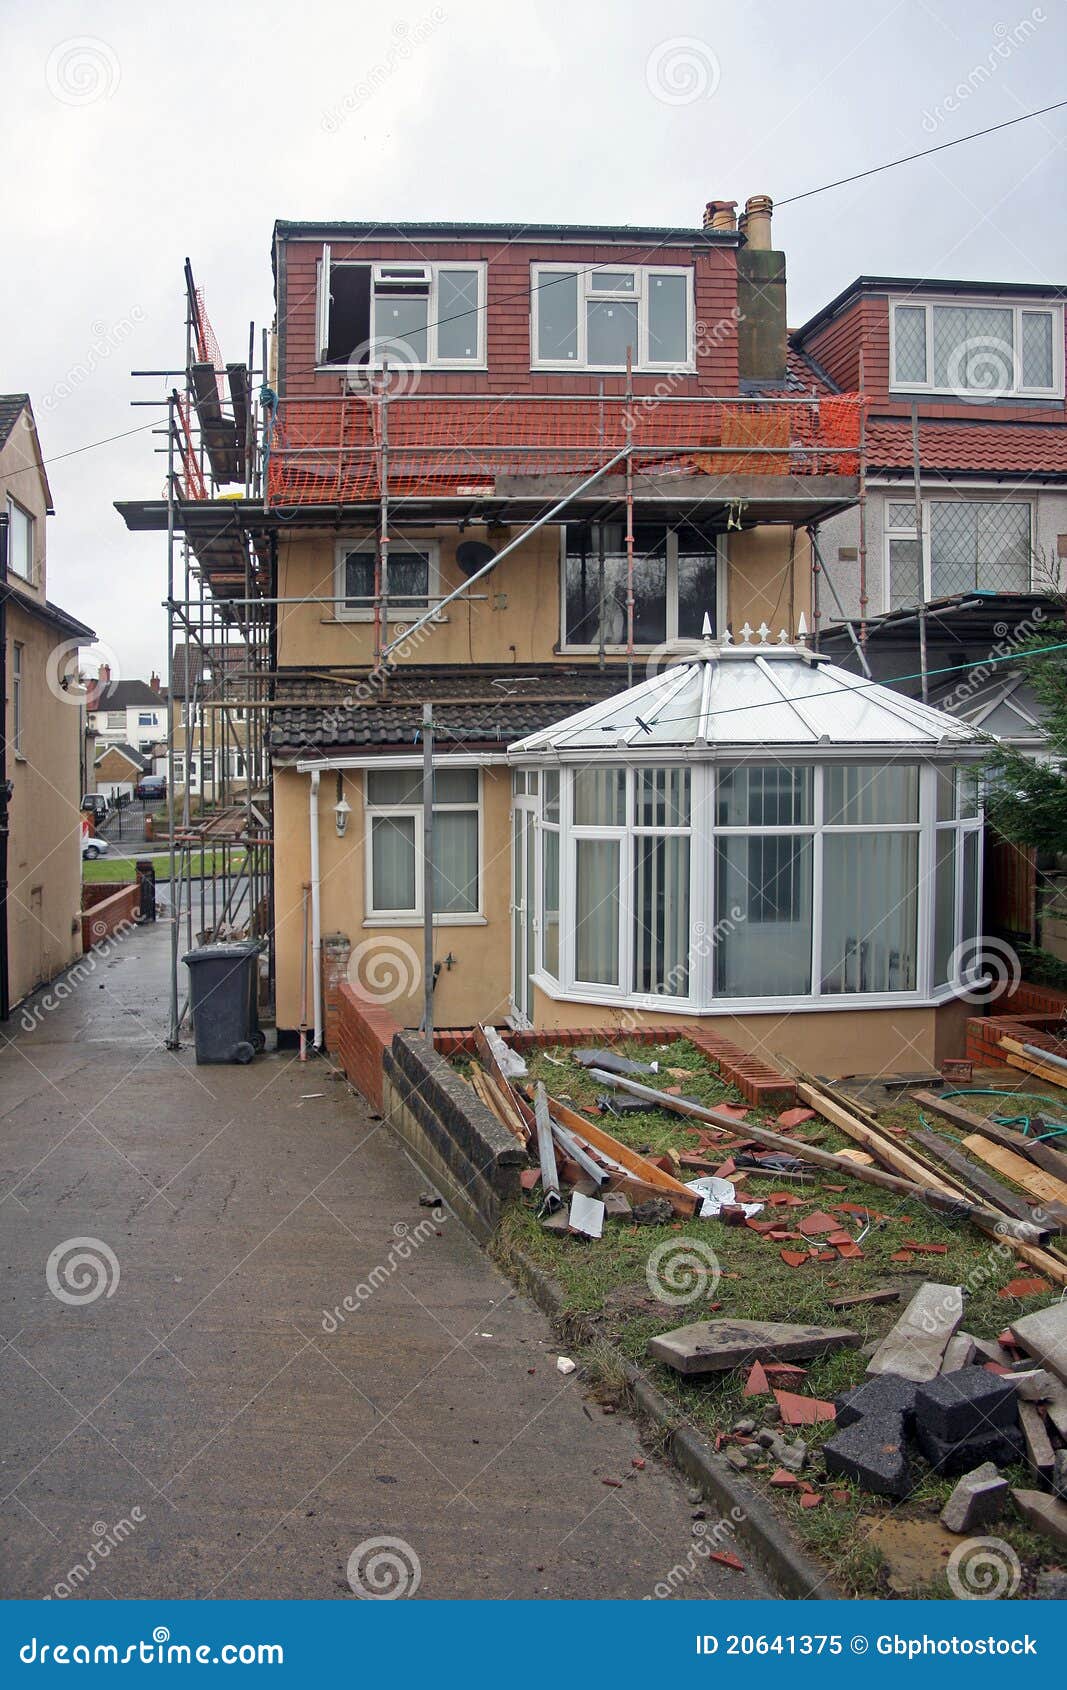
{"points": [[751, 696]]}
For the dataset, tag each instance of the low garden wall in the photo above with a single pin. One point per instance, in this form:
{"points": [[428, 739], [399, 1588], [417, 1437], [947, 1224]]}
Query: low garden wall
{"points": [[106, 915]]}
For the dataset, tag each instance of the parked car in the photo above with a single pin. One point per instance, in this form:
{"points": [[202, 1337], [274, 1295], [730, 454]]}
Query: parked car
{"points": [[96, 805], [151, 787], [93, 846]]}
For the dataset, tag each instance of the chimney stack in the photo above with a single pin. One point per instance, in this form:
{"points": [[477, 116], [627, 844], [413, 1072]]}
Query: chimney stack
{"points": [[719, 214], [105, 674], [153, 681], [757, 221]]}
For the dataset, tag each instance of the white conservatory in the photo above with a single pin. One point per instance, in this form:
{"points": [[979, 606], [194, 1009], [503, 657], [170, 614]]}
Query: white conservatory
{"points": [[750, 832]]}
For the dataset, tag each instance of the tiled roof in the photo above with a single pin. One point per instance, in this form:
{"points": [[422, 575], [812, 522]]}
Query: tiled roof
{"points": [[131, 756], [124, 695], [12, 406], [976, 448], [190, 661], [804, 375], [473, 707]]}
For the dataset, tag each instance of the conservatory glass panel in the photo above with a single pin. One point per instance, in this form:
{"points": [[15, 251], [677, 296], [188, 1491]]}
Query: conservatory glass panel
{"points": [[662, 797], [763, 916], [550, 901], [764, 796], [600, 797], [596, 911], [858, 795], [661, 914], [944, 903], [971, 923], [870, 912]]}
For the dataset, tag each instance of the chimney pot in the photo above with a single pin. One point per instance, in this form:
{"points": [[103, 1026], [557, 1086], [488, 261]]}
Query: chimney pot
{"points": [[719, 214], [757, 221], [154, 681]]}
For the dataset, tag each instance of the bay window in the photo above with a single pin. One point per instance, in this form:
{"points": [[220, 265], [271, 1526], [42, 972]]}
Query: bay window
{"points": [[967, 545], [977, 351], [675, 581], [589, 318], [395, 865], [758, 882]]}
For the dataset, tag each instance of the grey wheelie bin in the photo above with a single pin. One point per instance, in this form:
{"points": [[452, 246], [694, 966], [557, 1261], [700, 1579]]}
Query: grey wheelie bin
{"points": [[223, 982]]}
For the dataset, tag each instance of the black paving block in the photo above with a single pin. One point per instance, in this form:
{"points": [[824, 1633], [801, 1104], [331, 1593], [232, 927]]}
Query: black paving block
{"points": [[882, 1393], [1000, 1444], [966, 1404], [872, 1452]]}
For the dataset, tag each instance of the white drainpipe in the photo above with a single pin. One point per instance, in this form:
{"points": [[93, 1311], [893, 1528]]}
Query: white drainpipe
{"points": [[316, 923]]}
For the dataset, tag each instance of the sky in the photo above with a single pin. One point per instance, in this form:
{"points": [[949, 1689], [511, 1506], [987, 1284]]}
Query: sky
{"points": [[138, 134]]}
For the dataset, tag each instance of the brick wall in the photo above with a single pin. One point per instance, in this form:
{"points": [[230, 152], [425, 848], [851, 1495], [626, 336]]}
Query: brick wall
{"points": [[97, 891], [336, 950], [104, 917], [363, 1035]]}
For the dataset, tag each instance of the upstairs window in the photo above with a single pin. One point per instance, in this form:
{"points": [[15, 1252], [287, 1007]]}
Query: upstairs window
{"points": [[419, 316], [967, 545], [675, 585], [587, 318], [978, 351], [19, 541], [409, 579]]}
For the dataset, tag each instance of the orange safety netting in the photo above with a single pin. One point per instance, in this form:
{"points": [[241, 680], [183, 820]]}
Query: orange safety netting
{"points": [[330, 451]]}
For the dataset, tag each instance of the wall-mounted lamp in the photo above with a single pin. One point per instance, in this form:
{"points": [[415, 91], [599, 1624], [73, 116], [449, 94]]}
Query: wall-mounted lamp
{"points": [[342, 809]]}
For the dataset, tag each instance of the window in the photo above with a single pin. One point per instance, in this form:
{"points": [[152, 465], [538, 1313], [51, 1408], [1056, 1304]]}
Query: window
{"points": [[16, 696], [871, 862], [179, 771], [146, 719], [978, 351], [394, 844], [411, 314], [588, 318], [675, 584], [116, 719], [19, 541], [190, 715], [763, 880], [550, 873], [409, 579], [967, 545]]}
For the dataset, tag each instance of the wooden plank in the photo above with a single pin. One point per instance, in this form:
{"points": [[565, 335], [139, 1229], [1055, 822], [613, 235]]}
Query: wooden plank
{"points": [[1042, 1155], [493, 1101], [489, 1058], [915, 1347], [1030, 1065], [681, 1199], [978, 1180], [893, 1155], [858, 1298], [1017, 1169]]}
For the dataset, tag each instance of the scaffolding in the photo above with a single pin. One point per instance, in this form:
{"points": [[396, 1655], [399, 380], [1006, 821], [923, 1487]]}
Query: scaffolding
{"points": [[245, 466]]}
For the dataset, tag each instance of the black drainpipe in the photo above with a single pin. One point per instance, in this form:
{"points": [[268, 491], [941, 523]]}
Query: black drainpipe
{"points": [[5, 787]]}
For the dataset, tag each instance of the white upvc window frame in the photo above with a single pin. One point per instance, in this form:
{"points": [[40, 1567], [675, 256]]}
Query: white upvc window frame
{"points": [[939, 496], [643, 274], [374, 917], [326, 264], [706, 918], [399, 611], [976, 396], [22, 521], [568, 647], [17, 678]]}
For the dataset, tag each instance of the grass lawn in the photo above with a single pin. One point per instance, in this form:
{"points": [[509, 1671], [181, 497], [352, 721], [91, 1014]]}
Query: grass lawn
{"points": [[114, 867], [606, 1282]]}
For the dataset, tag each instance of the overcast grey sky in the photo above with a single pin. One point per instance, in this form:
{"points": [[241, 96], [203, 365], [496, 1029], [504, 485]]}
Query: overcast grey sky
{"points": [[137, 133]]}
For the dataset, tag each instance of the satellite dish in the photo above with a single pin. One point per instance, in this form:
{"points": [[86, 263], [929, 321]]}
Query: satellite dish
{"points": [[472, 555]]}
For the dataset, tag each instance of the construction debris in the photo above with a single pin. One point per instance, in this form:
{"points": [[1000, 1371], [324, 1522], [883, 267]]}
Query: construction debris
{"points": [[873, 1453], [718, 1346], [977, 1500], [1044, 1514], [915, 1347], [1043, 1335]]}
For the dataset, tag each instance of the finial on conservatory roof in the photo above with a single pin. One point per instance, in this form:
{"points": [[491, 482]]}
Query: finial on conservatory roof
{"points": [[783, 637], [746, 634], [802, 630], [727, 637], [764, 633], [706, 629]]}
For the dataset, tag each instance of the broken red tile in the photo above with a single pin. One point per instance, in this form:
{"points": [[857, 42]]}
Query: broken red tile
{"points": [[927, 1249], [735, 1111], [638, 1463], [803, 1411], [779, 1237], [760, 1226], [793, 1258], [784, 1373], [851, 1251], [785, 1199], [725, 1560], [902, 1256], [795, 1117], [816, 1223], [781, 1476], [616, 1484], [835, 1187], [995, 1367], [841, 1495], [810, 1499], [755, 1385], [719, 1440], [725, 1169], [529, 1178], [840, 1238], [714, 1305], [857, 1209], [1023, 1288], [1007, 1340]]}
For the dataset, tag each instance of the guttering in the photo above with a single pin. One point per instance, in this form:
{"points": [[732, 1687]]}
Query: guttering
{"points": [[316, 914], [453, 760]]}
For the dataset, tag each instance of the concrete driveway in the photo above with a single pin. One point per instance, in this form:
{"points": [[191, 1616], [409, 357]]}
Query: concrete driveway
{"points": [[183, 1419]]}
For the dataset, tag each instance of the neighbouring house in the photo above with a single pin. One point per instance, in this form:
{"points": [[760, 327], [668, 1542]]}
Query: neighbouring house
{"points": [[209, 721], [957, 550], [127, 712], [40, 763], [117, 770]]}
